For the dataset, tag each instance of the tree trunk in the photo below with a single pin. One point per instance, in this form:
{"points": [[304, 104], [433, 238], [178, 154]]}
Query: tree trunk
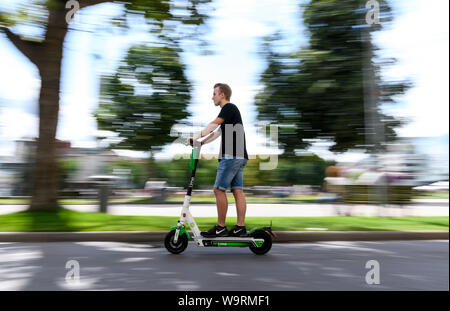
{"points": [[47, 56], [45, 186]]}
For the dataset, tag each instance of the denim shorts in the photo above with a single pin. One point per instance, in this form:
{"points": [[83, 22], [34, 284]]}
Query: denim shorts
{"points": [[230, 174]]}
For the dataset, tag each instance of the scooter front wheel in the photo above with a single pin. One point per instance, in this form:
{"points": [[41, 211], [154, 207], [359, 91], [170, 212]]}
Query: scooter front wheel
{"points": [[175, 248]]}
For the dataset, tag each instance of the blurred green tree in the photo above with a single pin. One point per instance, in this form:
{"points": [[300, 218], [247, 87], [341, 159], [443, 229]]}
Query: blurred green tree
{"points": [[142, 121], [333, 89], [169, 20]]}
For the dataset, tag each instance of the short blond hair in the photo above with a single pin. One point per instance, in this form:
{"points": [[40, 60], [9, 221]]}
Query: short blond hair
{"points": [[225, 89]]}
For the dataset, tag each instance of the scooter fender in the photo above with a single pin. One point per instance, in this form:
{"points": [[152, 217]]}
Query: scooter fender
{"points": [[265, 229], [182, 231]]}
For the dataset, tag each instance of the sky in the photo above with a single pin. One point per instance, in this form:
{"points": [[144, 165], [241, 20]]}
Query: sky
{"points": [[417, 38]]}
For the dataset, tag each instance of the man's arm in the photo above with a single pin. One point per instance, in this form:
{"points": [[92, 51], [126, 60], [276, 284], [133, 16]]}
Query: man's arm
{"points": [[209, 128], [212, 137]]}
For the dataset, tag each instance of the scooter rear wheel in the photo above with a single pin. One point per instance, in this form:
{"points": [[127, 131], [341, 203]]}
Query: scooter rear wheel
{"points": [[175, 248], [267, 245]]}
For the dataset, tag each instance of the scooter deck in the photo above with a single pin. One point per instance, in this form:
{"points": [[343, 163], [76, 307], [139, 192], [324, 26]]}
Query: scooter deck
{"points": [[228, 241], [234, 238]]}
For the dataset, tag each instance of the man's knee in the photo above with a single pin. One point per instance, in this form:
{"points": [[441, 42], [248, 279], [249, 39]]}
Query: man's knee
{"points": [[237, 191], [218, 191]]}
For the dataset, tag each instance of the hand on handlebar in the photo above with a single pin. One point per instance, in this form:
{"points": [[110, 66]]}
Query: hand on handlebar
{"points": [[190, 142]]}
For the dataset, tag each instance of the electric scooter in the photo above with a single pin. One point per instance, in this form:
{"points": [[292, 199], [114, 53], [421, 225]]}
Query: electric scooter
{"points": [[259, 239]]}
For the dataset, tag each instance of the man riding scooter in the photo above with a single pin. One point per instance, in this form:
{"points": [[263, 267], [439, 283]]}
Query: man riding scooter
{"points": [[232, 159]]}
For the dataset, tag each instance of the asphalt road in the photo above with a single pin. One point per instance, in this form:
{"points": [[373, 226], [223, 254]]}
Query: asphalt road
{"points": [[402, 265]]}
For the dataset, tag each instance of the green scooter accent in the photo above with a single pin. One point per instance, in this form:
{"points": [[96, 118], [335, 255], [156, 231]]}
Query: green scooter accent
{"points": [[193, 157], [182, 231], [218, 243]]}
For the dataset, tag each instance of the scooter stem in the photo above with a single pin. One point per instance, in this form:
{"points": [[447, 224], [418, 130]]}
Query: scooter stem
{"points": [[195, 155]]}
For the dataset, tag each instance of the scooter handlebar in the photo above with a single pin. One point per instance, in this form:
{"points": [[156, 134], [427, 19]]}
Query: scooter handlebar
{"points": [[191, 142]]}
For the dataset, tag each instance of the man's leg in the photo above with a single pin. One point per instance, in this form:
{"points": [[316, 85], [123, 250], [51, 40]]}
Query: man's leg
{"points": [[241, 206], [222, 206], [237, 185]]}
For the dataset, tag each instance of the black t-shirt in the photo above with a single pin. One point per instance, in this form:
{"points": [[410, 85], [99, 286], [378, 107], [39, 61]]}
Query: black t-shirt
{"points": [[233, 135]]}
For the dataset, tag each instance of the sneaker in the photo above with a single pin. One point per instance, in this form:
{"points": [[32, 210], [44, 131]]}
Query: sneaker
{"points": [[238, 231], [216, 231]]}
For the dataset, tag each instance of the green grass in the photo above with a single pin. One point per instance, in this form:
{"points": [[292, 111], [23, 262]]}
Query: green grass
{"points": [[14, 201], [433, 196], [66, 220]]}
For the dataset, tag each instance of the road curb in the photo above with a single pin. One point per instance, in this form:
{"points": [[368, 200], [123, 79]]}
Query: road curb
{"points": [[282, 236]]}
